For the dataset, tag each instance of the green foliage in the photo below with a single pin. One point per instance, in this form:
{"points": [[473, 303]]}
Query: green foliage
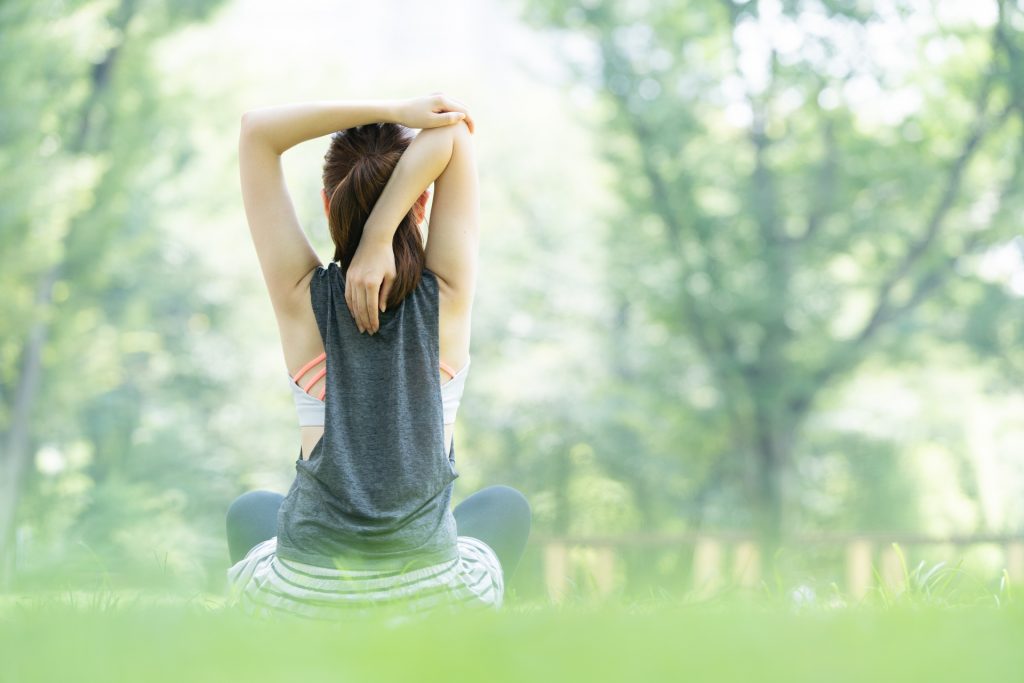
{"points": [[784, 225], [759, 234], [86, 263]]}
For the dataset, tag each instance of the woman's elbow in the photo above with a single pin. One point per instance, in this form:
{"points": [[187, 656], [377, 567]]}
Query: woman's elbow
{"points": [[248, 125]]}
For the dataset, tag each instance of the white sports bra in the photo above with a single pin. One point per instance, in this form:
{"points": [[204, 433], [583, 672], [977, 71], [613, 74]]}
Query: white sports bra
{"points": [[311, 409]]}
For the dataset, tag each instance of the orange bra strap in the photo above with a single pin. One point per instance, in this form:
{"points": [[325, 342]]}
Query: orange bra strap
{"points": [[447, 368], [323, 371], [305, 368]]}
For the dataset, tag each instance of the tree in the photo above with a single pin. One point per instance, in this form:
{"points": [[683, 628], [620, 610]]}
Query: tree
{"points": [[76, 151], [805, 235]]}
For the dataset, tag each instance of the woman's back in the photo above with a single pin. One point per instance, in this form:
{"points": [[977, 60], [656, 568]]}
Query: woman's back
{"points": [[376, 489], [450, 255]]}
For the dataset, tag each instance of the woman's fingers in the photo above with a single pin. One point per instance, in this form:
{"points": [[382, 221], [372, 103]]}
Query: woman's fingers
{"points": [[451, 104], [366, 307], [366, 295], [459, 106], [364, 310], [351, 301], [357, 306], [370, 306], [355, 297], [385, 292]]}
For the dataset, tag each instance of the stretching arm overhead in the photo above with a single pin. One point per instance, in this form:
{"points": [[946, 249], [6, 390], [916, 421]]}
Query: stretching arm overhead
{"points": [[284, 252], [445, 157], [454, 229]]}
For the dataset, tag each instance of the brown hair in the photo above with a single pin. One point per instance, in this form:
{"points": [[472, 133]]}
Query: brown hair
{"points": [[357, 166]]}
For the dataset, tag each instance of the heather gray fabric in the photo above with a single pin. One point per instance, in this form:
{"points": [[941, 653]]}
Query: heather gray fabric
{"points": [[376, 490]]}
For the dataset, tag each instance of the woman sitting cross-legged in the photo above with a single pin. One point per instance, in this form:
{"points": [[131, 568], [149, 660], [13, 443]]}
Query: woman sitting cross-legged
{"points": [[377, 349]]}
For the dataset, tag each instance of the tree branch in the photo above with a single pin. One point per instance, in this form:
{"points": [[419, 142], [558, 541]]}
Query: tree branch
{"points": [[694, 317], [934, 225], [824, 195], [849, 353], [947, 199]]}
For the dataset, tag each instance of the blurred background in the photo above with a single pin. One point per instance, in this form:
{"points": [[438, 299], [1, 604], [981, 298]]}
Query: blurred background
{"points": [[750, 307]]}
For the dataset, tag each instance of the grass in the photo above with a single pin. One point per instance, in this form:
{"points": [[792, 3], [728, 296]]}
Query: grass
{"points": [[942, 626]]}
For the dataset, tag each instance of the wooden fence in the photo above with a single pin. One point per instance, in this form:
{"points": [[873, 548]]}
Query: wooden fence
{"points": [[719, 559]]}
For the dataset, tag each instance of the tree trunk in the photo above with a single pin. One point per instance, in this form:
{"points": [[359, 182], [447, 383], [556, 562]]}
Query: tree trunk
{"points": [[771, 458], [561, 481], [15, 456]]}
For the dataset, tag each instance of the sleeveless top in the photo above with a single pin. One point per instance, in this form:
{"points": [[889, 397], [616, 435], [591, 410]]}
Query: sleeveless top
{"points": [[310, 409], [375, 491]]}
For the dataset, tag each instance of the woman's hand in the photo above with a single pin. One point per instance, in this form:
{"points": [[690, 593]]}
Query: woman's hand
{"points": [[368, 282], [431, 111]]}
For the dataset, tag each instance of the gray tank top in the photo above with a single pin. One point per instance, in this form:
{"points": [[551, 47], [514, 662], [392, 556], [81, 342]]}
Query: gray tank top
{"points": [[376, 490]]}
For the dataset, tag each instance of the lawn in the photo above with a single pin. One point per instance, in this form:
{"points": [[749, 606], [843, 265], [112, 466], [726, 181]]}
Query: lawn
{"points": [[86, 637]]}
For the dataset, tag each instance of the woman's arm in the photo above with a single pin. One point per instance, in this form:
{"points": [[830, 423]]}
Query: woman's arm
{"points": [[372, 271], [284, 252], [453, 244], [284, 126]]}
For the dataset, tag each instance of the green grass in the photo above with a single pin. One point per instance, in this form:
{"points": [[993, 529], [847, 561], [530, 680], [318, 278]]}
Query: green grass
{"points": [[941, 624], [84, 638]]}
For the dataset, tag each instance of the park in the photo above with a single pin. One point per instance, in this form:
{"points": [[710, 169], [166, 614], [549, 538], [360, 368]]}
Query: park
{"points": [[747, 290]]}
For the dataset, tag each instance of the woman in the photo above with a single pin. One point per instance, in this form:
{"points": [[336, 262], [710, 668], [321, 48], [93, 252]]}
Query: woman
{"points": [[368, 341]]}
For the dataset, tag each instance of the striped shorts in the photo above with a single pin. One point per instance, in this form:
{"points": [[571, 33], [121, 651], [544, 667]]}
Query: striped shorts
{"points": [[263, 584]]}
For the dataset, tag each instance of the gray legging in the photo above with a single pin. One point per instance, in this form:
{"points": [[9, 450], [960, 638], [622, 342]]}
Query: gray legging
{"points": [[498, 515]]}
